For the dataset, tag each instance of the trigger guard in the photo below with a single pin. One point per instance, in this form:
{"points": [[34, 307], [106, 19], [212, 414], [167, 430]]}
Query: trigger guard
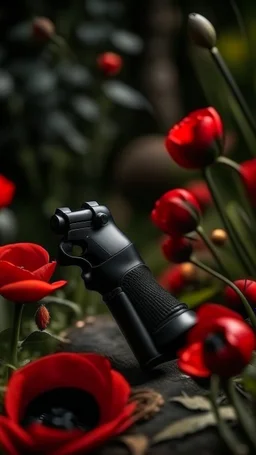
{"points": [[66, 258]]}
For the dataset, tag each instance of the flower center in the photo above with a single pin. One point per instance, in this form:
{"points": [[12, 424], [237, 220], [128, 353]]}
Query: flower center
{"points": [[215, 342], [63, 409]]}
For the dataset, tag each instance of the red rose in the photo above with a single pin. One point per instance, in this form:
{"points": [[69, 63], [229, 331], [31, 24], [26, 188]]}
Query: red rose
{"points": [[232, 299], [25, 272], [220, 343], [64, 404], [110, 63], [177, 249], [190, 142], [248, 173], [177, 212], [200, 191], [7, 190]]}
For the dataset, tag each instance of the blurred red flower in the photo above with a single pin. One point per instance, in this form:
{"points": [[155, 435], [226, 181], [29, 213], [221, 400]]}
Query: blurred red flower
{"points": [[220, 343], [43, 415], [43, 29], [110, 63], [25, 272], [200, 191], [248, 174], [177, 249], [176, 277], [232, 299], [189, 142], [177, 212], [7, 191]]}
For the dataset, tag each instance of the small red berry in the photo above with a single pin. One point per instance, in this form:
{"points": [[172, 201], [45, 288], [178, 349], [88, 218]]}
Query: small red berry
{"points": [[110, 63], [42, 318]]}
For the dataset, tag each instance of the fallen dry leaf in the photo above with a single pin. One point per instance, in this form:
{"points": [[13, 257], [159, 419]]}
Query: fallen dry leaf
{"points": [[192, 425], [195, 403], [137, 444]]}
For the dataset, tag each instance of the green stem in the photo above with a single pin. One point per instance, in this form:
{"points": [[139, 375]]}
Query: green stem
{"points": [[238, 248], [225, 432], [225, 280], [18, 308], [213, 250], [246, 421]]}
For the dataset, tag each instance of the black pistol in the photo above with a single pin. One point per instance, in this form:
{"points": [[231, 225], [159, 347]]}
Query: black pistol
{"points": [[153, 322]]}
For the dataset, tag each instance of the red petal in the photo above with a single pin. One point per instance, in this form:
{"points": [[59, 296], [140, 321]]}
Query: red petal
{"points": [[10, 273], [29, 290], [7, 190], [97, 437], [46, 440], [45, 272], [121, 393], [55, 371], [191, 362], [13, 439], [30, 256]]}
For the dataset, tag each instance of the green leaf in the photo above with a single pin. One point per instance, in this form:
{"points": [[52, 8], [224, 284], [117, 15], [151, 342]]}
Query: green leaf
{"points": [[125, 96], [127, 42], [193, 424], [249, 378], [41, 342], [193, 299], [195, 403], [5, 336]]}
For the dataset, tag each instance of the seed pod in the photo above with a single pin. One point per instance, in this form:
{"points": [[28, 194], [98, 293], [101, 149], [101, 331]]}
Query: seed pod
{"points": [[219, 237], [42, 318], [201, 31]]}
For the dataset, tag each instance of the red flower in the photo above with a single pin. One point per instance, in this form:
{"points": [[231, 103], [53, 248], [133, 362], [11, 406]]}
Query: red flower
{"points": [[64, 404], [177, 277], [177, 212], [200, 191], [232, 299], [220, 343], [189, 142], [25, 272], [177, 249], [43, 28], [248, 172], [7, 190], [110, 63]]}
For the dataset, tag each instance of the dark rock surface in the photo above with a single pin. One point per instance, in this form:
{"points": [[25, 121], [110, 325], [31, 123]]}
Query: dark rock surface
{"points": [[103, 336]]}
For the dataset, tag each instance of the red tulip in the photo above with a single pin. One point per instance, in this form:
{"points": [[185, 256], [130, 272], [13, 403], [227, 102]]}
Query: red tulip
{"points": [[177, 212], [177, 249], [248, 173], [110, 63], [7, 190], [25, 272], [64, 404], [220, 343], [232, 299], [200, 191], [190, 142]]}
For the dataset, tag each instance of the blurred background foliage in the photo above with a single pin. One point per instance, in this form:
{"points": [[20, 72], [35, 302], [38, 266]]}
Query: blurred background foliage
{"points": [[68, 135]]}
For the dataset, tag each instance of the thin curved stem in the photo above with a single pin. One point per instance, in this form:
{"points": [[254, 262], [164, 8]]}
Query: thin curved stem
{"points": [[246, 421], [18, 308], [213, 251], [238, 248], [225, 432], [229, 283]]}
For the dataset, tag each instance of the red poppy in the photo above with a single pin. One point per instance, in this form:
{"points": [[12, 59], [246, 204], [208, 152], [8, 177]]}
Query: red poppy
{"points": [[200, 191], [64, 404], [25, 272], [177, 249], [190, 142], [7, 190], [110, 63], [232, 299], [220, 343], [177, 212], [248, 172]]}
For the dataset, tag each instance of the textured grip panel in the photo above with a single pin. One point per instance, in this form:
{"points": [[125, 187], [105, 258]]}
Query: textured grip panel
{"points": [[153, 303]]}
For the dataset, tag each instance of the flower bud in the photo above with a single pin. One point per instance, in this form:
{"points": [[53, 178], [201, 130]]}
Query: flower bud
{"points": [[248, 171], [42, 318], [191, 142], [177, 249], [219, 237], [43, 28], [110, 63], [177, 212], [200, 190], [201, 31], [232, 299]]}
